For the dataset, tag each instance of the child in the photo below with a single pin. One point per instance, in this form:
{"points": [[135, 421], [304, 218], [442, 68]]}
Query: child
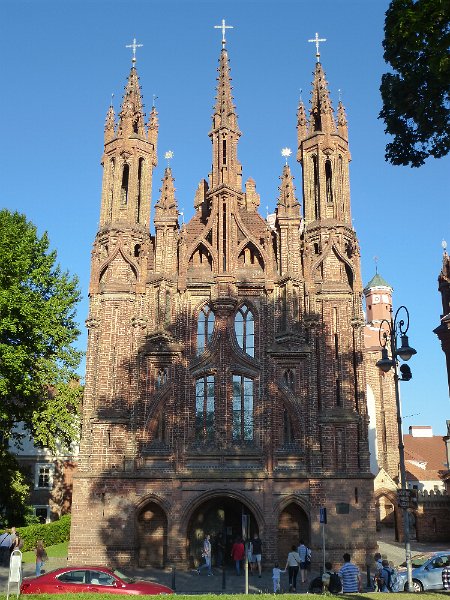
{"points": [[276, 572], [41, 556]]}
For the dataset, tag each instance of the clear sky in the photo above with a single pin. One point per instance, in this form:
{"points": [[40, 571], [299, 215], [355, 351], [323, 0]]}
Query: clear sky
{"points": [[61, 61]]}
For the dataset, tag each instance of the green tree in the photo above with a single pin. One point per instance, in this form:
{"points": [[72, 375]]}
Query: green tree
{"points": [[37, 330], [416, 97]]}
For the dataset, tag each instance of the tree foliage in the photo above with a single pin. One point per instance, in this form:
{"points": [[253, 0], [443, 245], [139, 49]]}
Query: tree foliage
{"points": [[416, 97], [37, 330]]}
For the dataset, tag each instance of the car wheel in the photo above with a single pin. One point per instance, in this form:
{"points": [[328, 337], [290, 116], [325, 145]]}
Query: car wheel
{"points": [[417, 586]]}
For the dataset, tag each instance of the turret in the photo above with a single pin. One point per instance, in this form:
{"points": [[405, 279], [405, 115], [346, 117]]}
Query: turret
{"points": [[166, 226], [128, 161], [288, 224]]}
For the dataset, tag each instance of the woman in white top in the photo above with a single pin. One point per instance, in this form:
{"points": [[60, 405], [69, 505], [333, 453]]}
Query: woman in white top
{"points": [[292, 565]]}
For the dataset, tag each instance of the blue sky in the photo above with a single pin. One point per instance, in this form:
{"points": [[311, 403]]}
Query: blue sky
{"points": [[62, 60]]}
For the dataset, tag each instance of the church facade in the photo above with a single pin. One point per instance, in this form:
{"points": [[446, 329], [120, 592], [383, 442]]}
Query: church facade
{"points": [[225, 376]]}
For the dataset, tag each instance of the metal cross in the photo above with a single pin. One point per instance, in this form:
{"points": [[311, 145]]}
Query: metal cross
{"points": [[317, 40], [223, 27], [134, 46]]}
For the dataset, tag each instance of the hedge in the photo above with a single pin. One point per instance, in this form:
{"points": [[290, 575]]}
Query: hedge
{"points": [[50, 533]]}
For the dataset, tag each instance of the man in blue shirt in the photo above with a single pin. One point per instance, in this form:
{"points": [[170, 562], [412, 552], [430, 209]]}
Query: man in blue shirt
{"points": [[5, 545], [350, 575]]}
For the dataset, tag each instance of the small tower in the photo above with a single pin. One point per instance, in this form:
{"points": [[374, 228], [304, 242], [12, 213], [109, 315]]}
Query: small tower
{"points": [[378, 295], [288, 220]]}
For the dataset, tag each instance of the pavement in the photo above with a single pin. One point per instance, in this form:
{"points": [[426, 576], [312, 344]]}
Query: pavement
{"points": [[189, 582]]}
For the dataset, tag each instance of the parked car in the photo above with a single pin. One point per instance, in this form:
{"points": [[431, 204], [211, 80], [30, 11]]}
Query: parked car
{"points": [[89, 579], [426, 571]]}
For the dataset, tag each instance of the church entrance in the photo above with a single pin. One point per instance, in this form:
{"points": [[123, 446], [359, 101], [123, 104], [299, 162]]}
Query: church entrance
{"points": [[152, 536], [224, 519], [293, 525]]}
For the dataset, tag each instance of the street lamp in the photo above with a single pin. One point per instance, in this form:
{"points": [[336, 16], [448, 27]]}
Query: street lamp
{"points": [[389, 330]]}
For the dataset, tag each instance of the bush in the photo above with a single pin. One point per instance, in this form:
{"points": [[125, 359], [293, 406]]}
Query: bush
{"points": [[50, 533]]}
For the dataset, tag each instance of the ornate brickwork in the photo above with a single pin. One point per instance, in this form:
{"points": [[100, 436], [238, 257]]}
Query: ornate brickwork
{"points": [[225, 379]]}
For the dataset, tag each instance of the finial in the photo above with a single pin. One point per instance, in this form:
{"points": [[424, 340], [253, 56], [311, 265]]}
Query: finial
{"points": [[223, 27], [286, 152], [111, 103], [340, 95], [168, 155], [155, 98], [317, 40], [134, 46], [444, 246], [301, 99], [375, 260]]}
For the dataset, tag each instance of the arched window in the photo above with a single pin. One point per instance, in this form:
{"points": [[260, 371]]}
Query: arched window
{"points": [[289, 379], [288, 436], [161, 378], [204, 408], [242, 408], [205, 328], [244, 327]]}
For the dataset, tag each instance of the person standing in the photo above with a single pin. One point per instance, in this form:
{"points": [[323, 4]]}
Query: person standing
{"points": [[350, 575], [257, 552], [41, 556], [276, 576], [238, 554], [292, 565], [304, 552], [206, 554], [5, 545]]}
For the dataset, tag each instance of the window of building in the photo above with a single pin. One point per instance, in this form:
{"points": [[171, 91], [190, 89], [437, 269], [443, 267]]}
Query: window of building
{"points": [[242, 408], [44, 476], [288, 436], [205, 328], [42, 513], [204, 408], [289, 379], [244, 327]]}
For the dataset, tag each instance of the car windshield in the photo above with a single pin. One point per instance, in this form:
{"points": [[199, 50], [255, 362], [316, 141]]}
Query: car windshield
{"points": [[418, 560], [123, 577]]}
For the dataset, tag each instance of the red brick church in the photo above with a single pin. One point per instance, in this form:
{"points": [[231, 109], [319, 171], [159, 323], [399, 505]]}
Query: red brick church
{"points": [[225, 380]]}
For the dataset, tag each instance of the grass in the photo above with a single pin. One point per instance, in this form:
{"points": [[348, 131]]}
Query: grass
{"points": [[58, 551], [361, 596]]}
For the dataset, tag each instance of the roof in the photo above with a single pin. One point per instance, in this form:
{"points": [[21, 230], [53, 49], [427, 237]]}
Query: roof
{"points": [[425, 457], [377, 281]]}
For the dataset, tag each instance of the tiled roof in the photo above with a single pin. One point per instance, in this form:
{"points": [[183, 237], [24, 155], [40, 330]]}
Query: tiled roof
{"points": [[430, 451]]}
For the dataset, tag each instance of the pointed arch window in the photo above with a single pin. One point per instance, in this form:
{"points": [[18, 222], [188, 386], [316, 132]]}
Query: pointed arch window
{"points": [[288, 435], [242, 408], [289, 379], [205, 328], [204, 408], [124, 187], [244, 327], [329, 181]]}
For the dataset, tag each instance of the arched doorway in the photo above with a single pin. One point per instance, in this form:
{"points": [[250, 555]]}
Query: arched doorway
{"points": [[387, 517], [225, 516], [293, 525], [152, 536]]}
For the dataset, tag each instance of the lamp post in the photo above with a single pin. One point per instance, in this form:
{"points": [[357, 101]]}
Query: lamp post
{"points": [[389, 330]]}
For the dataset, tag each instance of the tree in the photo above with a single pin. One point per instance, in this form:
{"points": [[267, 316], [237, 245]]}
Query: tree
{"points": [[416, 97], [37, 330]]}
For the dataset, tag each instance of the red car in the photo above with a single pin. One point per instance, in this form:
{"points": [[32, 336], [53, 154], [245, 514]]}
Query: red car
{"points": [[89, 579]]}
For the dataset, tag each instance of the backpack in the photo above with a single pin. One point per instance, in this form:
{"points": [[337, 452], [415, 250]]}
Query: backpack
{"points": [[335, 585], [308, 558], [385, 579]]}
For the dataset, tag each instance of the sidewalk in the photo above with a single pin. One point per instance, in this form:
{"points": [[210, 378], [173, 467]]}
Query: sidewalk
{"points": [[188, 582]]}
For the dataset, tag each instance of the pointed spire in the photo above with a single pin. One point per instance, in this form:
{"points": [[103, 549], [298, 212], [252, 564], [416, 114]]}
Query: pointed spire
{"points": [[153, 128], [167, 204], [109, 124], [342, 121], [252, 198], [287, 201], [302, 126], [131, 116], [321, 109], [224, 109]]}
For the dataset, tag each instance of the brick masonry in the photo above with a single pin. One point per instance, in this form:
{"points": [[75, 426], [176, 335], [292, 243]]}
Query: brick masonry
{"points": [[163, 463]]}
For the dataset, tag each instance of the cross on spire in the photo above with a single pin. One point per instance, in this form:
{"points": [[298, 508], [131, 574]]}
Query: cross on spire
{"points": [[223, 27], [134, 46], [317, 40]]}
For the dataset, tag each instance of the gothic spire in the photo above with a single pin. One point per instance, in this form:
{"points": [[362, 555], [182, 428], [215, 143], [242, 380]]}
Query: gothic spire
{"points": [[321, 109], [224, 109], [153, 127], [287, 202], [302, 125], [342, 121], [167, 204], [109, 124], [131, 116]]}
